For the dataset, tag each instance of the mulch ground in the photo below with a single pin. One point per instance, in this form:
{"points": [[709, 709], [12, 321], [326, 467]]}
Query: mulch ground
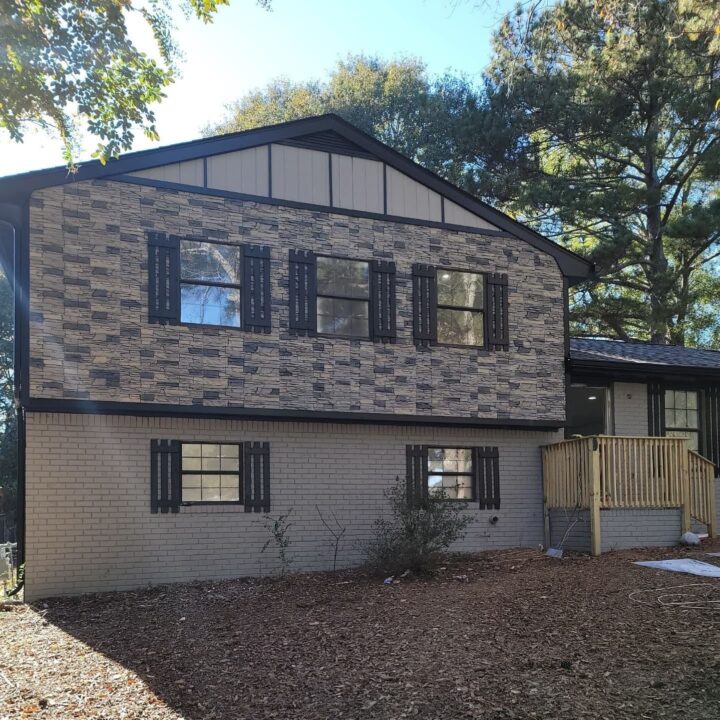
{"points": [[499, 635]]}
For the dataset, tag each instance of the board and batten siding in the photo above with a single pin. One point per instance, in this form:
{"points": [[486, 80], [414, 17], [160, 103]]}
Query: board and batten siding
{"points": [[357, 183], [630, 409], [408, 198], [300, 175], [190, 172], [316, 177], [244, 171]]}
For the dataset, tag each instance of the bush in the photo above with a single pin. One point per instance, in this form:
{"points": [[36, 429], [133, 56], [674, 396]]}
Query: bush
{"points": [[416, 531]]}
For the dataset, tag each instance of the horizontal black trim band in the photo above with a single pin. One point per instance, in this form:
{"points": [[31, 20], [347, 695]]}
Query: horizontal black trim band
{"points": [[196, 189], [90, 407], [619, 370]]}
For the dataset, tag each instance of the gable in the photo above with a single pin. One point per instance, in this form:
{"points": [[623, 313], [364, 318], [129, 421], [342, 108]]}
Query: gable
{"points": [[320, 169], [322, 162]]}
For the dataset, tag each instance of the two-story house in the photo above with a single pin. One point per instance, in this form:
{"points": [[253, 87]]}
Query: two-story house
{"points": [[284, 319]]}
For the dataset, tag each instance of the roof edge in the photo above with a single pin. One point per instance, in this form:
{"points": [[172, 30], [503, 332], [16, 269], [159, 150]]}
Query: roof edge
{"points": [[13, 187]]}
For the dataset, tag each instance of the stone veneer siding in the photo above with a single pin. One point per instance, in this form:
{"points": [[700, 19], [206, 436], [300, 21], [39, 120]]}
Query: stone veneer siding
{"points": [[90, 338], [89, 526]]}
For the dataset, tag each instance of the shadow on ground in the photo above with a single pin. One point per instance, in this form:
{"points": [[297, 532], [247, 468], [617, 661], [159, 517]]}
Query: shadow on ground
{"points": [[503, 635]]}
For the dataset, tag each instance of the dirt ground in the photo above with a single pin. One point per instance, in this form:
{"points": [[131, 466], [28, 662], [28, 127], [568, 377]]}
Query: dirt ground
{"points": [[499, 635]]}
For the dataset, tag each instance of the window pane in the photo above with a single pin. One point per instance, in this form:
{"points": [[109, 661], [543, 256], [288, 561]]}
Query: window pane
{"points": [[692, 400], [343, 317], [460, 327], [230, 464], [211, 450], [191, 494], [206, 305], [191, 450], [191, 463], [461, 289], [210, 262], [230, 494], [211, 494], [191, 481], [211, 481], [345, 278], [210, 463], [692, 418], [680, 400], [229, 451]]}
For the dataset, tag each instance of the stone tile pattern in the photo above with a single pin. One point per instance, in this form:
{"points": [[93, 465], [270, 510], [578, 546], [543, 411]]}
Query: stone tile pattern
{"points": [[90, 338], [89, 526]]}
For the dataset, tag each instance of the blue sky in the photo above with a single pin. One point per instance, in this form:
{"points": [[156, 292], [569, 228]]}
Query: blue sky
{"points": [[300, 39]]}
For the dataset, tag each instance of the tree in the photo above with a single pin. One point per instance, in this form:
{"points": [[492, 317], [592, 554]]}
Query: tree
{"points": [[599, 127], [65, 62], [396, 101]]}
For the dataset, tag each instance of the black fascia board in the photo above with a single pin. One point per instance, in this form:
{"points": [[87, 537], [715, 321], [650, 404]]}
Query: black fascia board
{"points": [[639, 372]]}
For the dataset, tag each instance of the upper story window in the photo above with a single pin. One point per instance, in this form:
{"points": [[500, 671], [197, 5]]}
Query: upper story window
{"points": [[343, 297], [682, 416], [460, 307], [210, 278]]}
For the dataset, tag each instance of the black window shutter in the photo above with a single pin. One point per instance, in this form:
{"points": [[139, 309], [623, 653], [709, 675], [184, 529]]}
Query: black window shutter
{"points": [[303, 292], [256, 476], [163, 278], [424, 304], [496, 311], [656, 409], [710, 419], [416, 472], [256, 296], [164, 476], [486, 466], [382, 301]]}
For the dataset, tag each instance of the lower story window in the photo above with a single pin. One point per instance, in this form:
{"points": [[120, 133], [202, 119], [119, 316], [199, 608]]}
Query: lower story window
{"points": [[450, 473], [682, 416], [210, 472]]}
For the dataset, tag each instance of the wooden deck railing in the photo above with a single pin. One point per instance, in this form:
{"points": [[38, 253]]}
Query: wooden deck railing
{"points": [[606, 471]]}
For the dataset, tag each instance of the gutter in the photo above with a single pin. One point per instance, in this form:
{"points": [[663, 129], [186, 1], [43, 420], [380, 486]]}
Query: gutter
{"points": [[641, 371]]}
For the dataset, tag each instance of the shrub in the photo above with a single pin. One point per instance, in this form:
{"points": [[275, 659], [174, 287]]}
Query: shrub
{"points": [[416, 531]]}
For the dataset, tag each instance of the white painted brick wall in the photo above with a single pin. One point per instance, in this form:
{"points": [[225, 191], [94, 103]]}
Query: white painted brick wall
{"points": [[89, 526]]}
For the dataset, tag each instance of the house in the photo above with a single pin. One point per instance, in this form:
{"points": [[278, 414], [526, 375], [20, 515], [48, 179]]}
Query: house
{"points": [[287, 320]]}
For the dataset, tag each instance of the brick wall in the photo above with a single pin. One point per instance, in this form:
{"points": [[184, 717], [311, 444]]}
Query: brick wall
{"points": [[89, 335], [89, 527]]}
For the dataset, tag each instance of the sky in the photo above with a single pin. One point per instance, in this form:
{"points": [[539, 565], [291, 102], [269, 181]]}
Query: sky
{"points": [[247, 46]]}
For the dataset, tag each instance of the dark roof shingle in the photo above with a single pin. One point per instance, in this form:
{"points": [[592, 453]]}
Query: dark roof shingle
{"points": [[639, 353]]}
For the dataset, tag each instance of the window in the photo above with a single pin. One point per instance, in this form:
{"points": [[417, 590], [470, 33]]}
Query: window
{"points": [[210, 283], [210, 473], [450, 472], [460, 317], [682, 416], [343, 297]]}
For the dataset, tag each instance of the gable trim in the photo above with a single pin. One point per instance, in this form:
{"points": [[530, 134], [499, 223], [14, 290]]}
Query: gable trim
{"points": [[572, 265], [212, 192]]}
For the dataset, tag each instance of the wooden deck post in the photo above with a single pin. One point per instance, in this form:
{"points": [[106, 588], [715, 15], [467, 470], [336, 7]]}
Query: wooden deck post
{"points": [[595, 497], [685, 498], [712, 525]]}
